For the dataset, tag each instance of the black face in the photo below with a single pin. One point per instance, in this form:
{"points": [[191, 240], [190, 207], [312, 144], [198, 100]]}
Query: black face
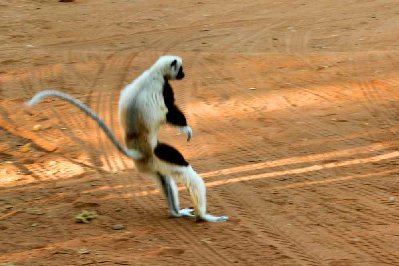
{"points": [[180, 74]]}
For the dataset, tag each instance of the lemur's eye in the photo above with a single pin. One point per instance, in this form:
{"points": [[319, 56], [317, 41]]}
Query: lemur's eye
{"points": [[173, 63]]}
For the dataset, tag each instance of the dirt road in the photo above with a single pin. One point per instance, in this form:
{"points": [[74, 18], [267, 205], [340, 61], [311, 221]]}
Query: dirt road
{"points": [[295, 111]]}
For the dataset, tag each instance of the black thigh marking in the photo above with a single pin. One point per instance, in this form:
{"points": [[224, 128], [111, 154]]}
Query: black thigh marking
{"points": [[169, 194], [169, 154], [174, 115]]}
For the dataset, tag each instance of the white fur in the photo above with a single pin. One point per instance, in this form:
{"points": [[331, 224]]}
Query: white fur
{"points": [[147, 91]]}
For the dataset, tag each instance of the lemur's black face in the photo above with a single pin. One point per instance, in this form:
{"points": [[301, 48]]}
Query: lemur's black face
{"points": [[177, 70], [180, 74]]}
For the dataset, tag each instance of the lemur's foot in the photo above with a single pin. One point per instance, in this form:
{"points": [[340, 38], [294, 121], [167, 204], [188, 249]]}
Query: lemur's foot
{"points": [[211, 218], [187, 212]]}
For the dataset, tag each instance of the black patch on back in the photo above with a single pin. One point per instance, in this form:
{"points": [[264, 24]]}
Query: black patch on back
{"points": [[169, 154], [174, 115]]}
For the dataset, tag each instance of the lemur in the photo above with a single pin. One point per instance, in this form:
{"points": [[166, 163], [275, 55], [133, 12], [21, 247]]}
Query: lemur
{"points": [[144, 105]]}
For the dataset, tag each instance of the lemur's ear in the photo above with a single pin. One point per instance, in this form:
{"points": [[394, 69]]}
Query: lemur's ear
{"points": [[173, 63]]}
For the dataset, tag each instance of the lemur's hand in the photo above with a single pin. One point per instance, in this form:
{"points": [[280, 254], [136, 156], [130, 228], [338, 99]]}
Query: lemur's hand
{"points": [[188, 131]]}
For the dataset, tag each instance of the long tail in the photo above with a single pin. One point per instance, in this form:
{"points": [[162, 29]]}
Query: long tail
{"points": [[54, 93]]}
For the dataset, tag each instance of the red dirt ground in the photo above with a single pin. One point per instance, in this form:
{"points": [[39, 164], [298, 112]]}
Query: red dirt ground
{"points": [[295, 111]]}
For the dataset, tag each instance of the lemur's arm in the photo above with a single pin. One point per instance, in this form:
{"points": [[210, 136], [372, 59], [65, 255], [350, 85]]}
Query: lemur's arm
{"points": [[174, 115]]}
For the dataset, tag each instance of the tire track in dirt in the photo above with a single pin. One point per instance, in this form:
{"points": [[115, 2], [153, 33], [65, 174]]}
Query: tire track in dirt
{"points": [[304, 209], [365, 217], [157, 35], [345, 234], [241, 193], [259, 229], [257, 222], [29, 84], [312, 128], [377, 107], [106, 148], [93, 83], [378, 87], [375, 98], [248, 41], [356, 72], [376, 104], [106, 70], [316, 127], [66, 121], [230, 140], [340, 214]]}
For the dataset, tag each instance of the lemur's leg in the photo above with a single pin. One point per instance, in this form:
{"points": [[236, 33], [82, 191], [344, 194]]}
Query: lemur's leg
{"points": [[172, 196], [172, 163], [197, 189]]}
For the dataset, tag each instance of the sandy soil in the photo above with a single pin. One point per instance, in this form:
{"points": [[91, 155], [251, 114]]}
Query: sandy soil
{"points": [[295, 112]]}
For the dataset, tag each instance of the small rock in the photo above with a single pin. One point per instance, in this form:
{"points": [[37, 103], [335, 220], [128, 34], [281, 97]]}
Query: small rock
{"points": [[118, 227], [37, 127], [392, 199], [25, 148], [83, 251], [252, 89], [28, 161], [321, 67], [207, 240], [63, 251], [85, 216]]}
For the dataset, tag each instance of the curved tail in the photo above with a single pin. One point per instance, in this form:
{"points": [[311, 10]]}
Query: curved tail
{"points": [[54, 93]]}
